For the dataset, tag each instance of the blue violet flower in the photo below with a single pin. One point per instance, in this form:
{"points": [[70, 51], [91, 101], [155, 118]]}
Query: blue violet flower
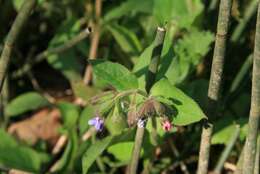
{"points": [[97, 122]]}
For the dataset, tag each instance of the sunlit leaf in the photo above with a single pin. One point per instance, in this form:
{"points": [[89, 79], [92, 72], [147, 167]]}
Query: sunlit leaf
{"points": [[184, 109], [115, 74]]}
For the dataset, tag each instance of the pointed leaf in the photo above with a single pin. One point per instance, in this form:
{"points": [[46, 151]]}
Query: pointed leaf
{"points": [[115, 74], [184, 109]]}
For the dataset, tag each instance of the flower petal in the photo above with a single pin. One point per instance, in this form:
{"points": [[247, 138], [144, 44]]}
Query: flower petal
{"points": [[92, 122]]}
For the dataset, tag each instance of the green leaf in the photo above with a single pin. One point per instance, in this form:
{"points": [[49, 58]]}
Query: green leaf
{"points": [[18, 3], [184, 110], [127, 39], [115, 74], [67, 61], [129, 7], [25, 102], [122, 151], [93, 152], [187, 55], [16, 156], [141, 67], [177, 61], [225, 128], [223, 131], [183, 13], [96, 149], [69, 113], [83, 91]]}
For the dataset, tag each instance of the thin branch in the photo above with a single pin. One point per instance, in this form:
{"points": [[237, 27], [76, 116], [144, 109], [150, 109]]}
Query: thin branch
{"points": [[59, 49], [253, 123], [249, 12], [94, 41], [227, 150], [152, 70], [215, 83], [175, 151], [15, 30]]}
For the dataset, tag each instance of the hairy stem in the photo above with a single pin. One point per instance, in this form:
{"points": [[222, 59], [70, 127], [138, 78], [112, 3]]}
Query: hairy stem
{"points": [[152, 70], [253, 123], [215, 83], [94, 41], [59, 49], [15, 30], [250, 11], [227, 150]]}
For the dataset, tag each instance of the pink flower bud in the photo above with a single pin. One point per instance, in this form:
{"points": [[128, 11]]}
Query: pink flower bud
{"points": [[166, 125]]}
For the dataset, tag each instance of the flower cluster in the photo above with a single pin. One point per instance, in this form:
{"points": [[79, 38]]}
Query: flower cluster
{"points": [[98, 123]]}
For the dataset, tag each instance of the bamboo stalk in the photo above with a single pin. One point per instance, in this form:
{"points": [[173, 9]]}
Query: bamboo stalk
{"points": [[253, 123], [215, 83], [152, 70], [15, 30], [59, 49], [250, 11], [227, 150]]}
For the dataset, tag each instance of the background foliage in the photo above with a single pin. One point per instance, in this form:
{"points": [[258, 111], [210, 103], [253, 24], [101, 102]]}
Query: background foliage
{"points": [[50, 101]]}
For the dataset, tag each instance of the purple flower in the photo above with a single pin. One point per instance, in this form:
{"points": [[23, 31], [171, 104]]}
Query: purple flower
{"points": [[97, 122]]}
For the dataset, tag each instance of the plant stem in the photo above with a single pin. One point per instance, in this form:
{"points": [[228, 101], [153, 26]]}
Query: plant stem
{"points": [[253, 123], [227, 150], [152, 70], [250, 11], [238, 83], [59, 49], [15, 30], [257, 156], [240, 162], [155, 60], [4, 97], [241, 74], [94, 41], [215, 83]]}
